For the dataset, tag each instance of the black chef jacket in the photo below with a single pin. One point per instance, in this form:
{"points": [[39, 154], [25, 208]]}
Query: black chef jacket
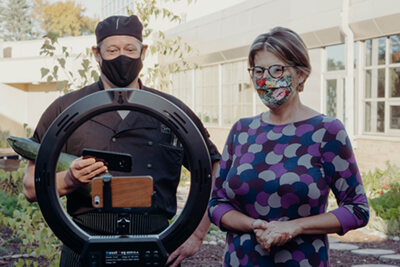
{"points": [[152, 145]]}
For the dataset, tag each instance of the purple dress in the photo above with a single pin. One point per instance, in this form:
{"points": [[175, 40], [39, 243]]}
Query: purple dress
{"points": [[285, 172]]}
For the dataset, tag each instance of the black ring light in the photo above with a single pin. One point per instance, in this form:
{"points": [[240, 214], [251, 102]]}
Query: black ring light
{"points": [[139, 250]]}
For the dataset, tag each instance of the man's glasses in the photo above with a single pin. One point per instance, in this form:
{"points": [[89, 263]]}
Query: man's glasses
{"points": [[275, 71]]}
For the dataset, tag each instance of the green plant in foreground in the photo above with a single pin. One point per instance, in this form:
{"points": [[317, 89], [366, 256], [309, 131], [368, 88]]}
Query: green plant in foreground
{"points": [[26, 221], [383, 192], [387, 204]]}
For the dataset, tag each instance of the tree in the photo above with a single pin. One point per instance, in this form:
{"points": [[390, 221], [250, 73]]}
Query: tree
{"points": [[1, 18], [64, 18], [17, 23], [156, 76]]}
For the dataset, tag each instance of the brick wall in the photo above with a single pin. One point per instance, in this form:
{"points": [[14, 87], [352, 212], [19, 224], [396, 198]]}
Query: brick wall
{"points": [[372, 154]]}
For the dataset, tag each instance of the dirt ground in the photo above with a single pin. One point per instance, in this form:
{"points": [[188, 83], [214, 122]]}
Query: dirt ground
{"points": [[211, 255]]}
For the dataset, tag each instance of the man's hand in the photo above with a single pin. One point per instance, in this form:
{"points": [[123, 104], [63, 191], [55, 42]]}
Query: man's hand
{"points": [[82, 171], [187, 249]]}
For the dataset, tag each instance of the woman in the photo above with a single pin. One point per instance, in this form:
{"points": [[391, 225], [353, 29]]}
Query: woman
{"points": [[277, 169]]}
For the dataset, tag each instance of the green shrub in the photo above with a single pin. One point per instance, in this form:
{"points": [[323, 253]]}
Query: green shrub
{"points": [[387, 204], [3, 138], [7, 204], [383, 192], [26, 220]]}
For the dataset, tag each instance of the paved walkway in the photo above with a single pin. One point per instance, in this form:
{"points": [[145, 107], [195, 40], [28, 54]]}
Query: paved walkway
{"points": [[383, 254]]}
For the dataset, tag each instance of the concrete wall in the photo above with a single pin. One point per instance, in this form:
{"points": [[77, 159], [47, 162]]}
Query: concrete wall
{"points": [[24, 94]]}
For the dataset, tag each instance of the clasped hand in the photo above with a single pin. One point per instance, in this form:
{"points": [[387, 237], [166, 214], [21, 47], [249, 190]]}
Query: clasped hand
{"points": [[275, 233]]}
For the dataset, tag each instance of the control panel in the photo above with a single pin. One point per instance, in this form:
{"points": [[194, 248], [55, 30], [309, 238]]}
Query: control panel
{"points": [[124, 252]]}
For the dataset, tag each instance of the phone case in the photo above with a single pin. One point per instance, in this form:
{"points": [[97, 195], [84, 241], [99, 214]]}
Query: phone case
{"points": [[126, 192], [115, 161]]}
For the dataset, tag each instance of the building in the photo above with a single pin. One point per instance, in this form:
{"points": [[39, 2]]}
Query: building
{"points": [[24, 94], [116, 7], [354, 47]]}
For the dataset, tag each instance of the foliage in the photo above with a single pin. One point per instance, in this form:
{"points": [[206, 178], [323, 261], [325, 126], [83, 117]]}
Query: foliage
{"points": [[87, 74], [383, 192], [63, 17], [158, 75], [378, 182], [387, 205], [3, 138], [17, 22], [26, 220], [1, 18]]}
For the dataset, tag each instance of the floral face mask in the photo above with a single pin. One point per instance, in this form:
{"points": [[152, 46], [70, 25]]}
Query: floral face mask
{"points": [[274, 92]]}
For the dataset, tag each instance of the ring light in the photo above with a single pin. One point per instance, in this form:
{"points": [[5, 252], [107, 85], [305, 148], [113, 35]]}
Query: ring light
{"points": [[138, 250]]}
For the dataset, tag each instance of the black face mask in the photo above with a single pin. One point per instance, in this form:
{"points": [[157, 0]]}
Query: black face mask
{"points": [[122, 70]]}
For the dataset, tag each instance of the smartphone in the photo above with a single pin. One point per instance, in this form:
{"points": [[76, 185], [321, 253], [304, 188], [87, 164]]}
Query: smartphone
{"points": [[114, 161], [126, 192]]}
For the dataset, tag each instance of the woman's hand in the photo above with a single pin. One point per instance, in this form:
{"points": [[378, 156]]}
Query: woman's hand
{"points": [[82, 171], [275, 233]]}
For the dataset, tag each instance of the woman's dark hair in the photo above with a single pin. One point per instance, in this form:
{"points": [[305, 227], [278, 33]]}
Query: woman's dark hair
{"points": [[284, 44]]}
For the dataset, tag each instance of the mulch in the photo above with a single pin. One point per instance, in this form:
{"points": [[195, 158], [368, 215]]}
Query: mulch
{"points": [[211, 255]]}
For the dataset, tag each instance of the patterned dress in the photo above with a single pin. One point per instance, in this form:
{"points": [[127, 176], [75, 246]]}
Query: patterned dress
{"points": [[285, 172]]}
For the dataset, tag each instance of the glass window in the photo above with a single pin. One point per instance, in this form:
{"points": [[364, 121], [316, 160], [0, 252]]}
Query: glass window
{"points": [[355, 55], [335, 57], [367, 116], [331, 97], [368, 52], [381, 83], [381, 50], [375, 117], [395, 48], [395, 117], [380, 117], [210, 94], [381, 102], [237, 93], [218, 94], [394, 82], [368, 82]]}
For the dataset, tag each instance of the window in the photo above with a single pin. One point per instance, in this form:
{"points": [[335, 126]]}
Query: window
{"points": [[382, 85], [236, 92], [182, 86], [218, 94], [335, 57]]}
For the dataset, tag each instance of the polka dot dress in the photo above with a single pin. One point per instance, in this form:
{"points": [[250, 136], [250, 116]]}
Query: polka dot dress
{"points": [[285, 172]]}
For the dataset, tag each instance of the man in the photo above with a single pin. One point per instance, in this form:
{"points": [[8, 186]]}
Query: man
{"points": [[154, 148]]}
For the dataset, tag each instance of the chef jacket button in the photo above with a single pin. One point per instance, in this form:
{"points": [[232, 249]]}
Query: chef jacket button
{"points": [[149, 166], [114, 139], [150, 143]]}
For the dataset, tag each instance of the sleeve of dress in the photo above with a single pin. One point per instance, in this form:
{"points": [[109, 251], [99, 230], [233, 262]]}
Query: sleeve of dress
{"points": [[220, 203], [343, 176]]}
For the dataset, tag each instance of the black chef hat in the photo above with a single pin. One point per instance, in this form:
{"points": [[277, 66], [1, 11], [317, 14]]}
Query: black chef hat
{"points": [[119, 25]]}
